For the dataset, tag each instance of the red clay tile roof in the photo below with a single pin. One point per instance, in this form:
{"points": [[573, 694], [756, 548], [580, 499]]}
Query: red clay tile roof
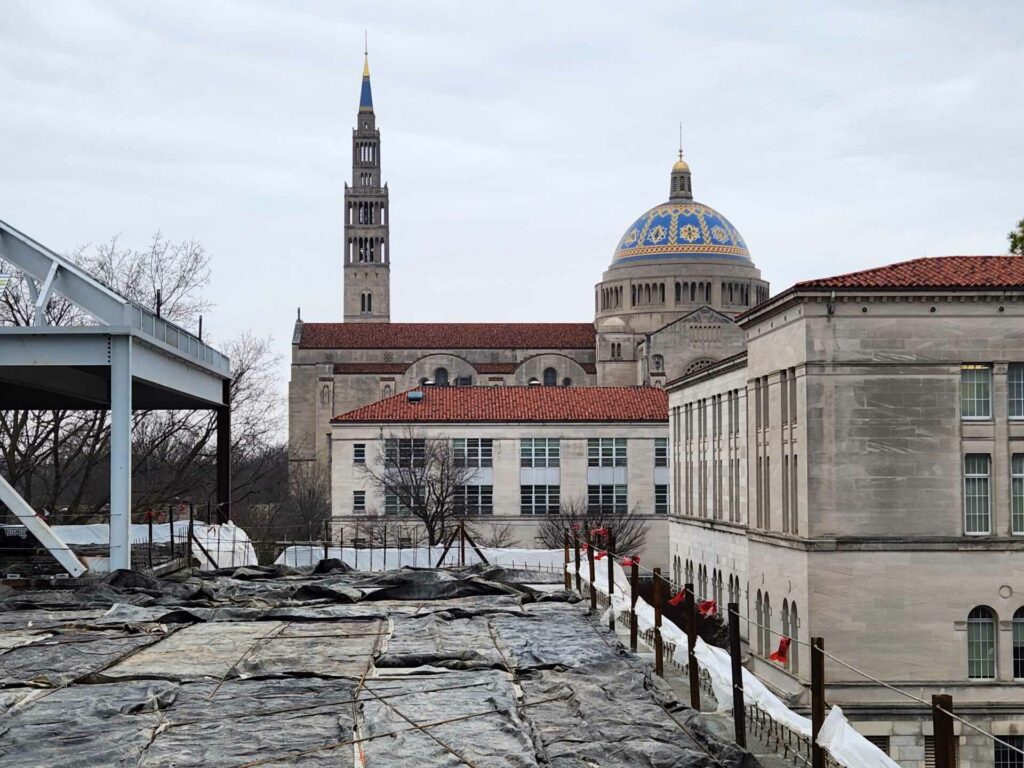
{"points": [[517, 404], [940, 272], [447, 336]]}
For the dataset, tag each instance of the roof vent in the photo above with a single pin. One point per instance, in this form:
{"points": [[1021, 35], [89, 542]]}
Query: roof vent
{"points": [[415, 396]]}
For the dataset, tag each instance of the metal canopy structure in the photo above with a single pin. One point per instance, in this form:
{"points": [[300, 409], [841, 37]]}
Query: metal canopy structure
{"points": [[131, 359]]}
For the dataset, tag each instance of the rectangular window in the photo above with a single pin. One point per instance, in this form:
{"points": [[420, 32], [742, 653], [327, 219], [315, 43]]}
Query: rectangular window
{"points": [[474, 499], [792, 395], [606, 452], [765, 417], [767, 492], [473, 452], [1005, 756], [661, 451], [359, 502], [977, 508], [757, 403], [661, 499], [1017, 494], [1018, 645], [1015, 384], [606, 499], [359, 453], [539, 452], [392, 506], [794, 525], [760, 492], [539, 499], [405, 452], [785, 493], [975, 391], [929, 751], [882, 742]]}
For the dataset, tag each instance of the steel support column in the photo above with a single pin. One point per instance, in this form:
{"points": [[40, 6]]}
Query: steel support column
{"points": [[224, 456], [120, 451]]}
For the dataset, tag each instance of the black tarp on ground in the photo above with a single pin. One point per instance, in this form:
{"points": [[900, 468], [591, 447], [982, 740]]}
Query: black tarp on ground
{"points": [[261, 668]]}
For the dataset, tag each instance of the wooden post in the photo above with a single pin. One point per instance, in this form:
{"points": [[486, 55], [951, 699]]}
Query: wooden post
{"points": [[945, 741], [170, 526], [462, 542], [565, 546], [327, 538], [579, 564], [690, 607], [191, 527], [149, 519], [738, 708], [818, 700], [611, 580], [634, 579], [590, 566], [659, 653]]}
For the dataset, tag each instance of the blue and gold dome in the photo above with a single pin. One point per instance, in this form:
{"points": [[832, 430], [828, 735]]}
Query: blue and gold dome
{"points": [[681, 229]]}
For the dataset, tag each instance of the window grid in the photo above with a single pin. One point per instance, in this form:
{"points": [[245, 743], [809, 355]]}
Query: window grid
{"points": [[606, 452], [977, 517], [405, 452], [474, 499], [661, 451], [1006, 757], [473, 452], [392, 505], [661, 499], [1017, 494], [1018, 644], [539, 499], [1015, 387], [606, 499], [539, 452], [981, 644], [359, 502], [975, 391]]}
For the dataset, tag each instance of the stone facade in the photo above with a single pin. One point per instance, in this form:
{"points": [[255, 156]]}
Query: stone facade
{"points": [[848, 504]]}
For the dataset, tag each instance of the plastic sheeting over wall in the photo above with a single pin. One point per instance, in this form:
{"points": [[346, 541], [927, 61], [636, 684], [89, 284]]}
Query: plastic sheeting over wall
{"points": [[367, 559], [227, 545], [846, 745]]}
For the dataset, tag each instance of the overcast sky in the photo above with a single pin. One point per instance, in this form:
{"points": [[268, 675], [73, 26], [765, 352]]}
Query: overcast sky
{"points": [[519, 140]]}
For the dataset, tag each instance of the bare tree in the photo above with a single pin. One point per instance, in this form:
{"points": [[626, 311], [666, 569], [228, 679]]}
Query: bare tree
{"points": [[423, 477], [495, 535], [390, 531], [60, 459], [629, 528]]}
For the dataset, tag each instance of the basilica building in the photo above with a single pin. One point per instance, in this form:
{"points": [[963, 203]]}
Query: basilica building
{"points": [[665, 306]]}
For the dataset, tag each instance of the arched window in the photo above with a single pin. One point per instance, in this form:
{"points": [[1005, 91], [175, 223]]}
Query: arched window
{"points": [[423, 380], [1018, 644], [759, 618], [647, 294], [533, 380], [785, 620], [387, 390], [369, 302], [794, 632], [981, 643], [693, 291], [566, 382], [550, 377], [767, 642], [632, 291], [679, 292], [707, 292], [658, 362], [661, 292], [441, 377]]}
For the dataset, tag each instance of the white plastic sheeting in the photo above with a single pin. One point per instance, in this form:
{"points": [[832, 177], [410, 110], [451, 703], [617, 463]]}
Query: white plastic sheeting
{"points": [[227, 545], [848, 747], [366, 559]]}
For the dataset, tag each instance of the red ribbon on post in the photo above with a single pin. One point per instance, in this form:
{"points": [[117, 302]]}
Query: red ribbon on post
{"points": [[782, 654], [599, 555], [708, 608], [678, 599], [630, 560], [602, 531], [584, 547]]}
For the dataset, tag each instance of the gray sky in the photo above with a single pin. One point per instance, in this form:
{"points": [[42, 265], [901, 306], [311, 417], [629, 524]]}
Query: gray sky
{"points": [[519, 139]]}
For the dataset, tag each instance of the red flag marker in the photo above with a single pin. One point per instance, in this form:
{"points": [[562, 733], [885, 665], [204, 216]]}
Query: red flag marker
{"points": [[584, 547], [708, 608], [781, 655], [599, 555], [599, 531], [630, 560], [680, 596]]}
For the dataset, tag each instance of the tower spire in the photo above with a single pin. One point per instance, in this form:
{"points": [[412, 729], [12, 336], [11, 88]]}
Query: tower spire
{"points": [[365, 94], [680, 188], [680, 140]]}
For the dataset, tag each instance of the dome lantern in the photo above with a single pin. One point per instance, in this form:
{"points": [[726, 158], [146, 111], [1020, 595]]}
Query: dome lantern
{"points": [[681, 188]]}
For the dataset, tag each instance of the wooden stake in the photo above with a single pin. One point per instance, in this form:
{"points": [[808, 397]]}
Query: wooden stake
{"points": [[462, 542], [565, 546], [945, 741], [590, 565], [576, 552], [738, 712], [818, 700], [659, 652], [611, 580], [327, 538], [690, 605], [634, 580]]}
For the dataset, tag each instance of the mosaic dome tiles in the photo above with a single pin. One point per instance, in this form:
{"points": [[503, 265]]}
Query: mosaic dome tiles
{"points": [[678, 230]]}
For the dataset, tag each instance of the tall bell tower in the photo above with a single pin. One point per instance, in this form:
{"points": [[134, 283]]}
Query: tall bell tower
{"points": [[367, 272]]}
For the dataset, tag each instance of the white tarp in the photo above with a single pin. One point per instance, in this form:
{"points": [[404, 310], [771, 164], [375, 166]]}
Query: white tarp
{"points": [[837, 736], [376, 559], [227, 545]]}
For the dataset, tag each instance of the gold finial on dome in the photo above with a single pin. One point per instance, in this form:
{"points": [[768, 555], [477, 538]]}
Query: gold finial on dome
{"points": [[680, 164]]}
